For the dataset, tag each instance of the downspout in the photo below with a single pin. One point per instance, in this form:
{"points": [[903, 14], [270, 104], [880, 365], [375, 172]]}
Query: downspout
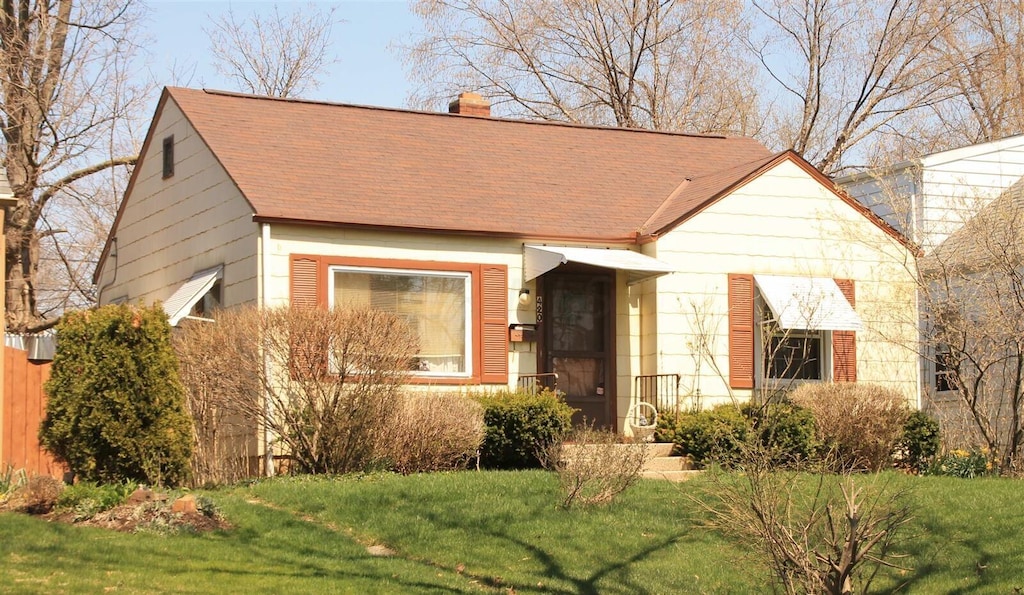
{"points": [[268, 435]]}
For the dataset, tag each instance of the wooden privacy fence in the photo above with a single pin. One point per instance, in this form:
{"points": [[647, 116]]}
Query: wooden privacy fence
{"points": [[24, 406]]}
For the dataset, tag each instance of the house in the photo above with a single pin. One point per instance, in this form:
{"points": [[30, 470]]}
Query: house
{"points": [[617, 259], [930, 197], [962, 207]]}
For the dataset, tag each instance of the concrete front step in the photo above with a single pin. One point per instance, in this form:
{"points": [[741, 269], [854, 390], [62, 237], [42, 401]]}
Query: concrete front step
{"points": [[659, 457], [668, 464], [674, 476]]}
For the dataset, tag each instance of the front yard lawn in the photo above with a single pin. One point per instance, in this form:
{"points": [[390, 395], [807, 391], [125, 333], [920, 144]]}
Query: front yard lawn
{"points": [[488, 532]]}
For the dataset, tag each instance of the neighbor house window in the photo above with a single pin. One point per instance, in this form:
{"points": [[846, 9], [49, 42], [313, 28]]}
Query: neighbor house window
{"points": [[169, 156], [794, 355], [436, 304], [210, 302], [944, 379]]}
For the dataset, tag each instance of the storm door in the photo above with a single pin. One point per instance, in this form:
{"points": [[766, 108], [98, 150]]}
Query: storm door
{"points": [[578, 319]]}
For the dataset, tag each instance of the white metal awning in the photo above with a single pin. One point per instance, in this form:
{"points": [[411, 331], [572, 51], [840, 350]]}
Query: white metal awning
{"points": [[812, 303], [538, 260], [180, 304]]}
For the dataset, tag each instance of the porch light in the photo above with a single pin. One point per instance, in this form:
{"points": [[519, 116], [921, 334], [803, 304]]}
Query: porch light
{"points": [[524, 296]]}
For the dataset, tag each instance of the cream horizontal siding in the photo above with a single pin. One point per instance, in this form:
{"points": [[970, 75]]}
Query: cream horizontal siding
{"points": [[782, 223], [172, 228], [286, 240]]}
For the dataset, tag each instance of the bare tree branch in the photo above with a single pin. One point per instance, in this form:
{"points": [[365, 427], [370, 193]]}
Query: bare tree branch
{"points": [[280, 55], [655, 64]]}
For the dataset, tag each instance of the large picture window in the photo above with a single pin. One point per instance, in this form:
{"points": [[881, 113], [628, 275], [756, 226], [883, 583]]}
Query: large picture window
{"points": [[436, 304]]}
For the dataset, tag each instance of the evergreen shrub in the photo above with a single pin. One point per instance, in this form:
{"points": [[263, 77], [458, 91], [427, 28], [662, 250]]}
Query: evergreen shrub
{"points": [[115, 409], [519, 426]]}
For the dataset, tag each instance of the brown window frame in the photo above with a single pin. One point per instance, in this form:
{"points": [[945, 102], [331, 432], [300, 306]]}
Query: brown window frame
{"points": [[479, 322]]}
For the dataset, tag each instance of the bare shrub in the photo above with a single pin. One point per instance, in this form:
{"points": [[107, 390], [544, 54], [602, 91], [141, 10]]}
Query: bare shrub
{"points": [[223, 432], [433, 432], [323, 383], [861, 422], [593, 467], [38, 495], [823, 533]]}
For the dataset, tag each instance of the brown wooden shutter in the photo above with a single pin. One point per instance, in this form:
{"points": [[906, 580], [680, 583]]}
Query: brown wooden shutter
{"points": [[494, 324], [844, 343], [305, 359], [741, 331], [305, 281]]}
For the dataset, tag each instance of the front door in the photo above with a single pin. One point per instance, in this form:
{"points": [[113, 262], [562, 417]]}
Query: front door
{"points": [[578, 318]]}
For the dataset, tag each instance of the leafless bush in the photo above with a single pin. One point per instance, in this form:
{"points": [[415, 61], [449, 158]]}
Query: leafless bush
{"points": [[223, 434], [593, 467], [37, 495], [324, 383], [823, 533], [433, 432], [861, 422]]}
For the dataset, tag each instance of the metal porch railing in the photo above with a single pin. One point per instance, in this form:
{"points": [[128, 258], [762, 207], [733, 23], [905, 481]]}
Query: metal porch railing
{"points": [[659, 390], [538, 382]]}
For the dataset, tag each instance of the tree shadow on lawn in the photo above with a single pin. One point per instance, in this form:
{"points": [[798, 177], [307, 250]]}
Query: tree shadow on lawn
{"points": [[244, 559], [553, 570], [982, 571]]}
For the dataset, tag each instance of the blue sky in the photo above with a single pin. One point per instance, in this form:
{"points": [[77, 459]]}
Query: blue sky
{"points": [[369, 71]]}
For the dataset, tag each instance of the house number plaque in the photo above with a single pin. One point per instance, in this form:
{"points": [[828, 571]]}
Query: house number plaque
{"points": [[540, 309]]}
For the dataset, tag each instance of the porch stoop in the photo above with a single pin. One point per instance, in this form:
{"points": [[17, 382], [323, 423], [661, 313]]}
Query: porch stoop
{"points": [[662, 465]]}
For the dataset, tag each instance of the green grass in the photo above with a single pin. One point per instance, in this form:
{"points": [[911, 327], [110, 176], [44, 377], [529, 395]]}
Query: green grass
{"points": [[484, 532]]}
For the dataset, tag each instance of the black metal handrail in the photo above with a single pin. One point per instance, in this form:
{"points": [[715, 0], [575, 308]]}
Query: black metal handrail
{"points": [[660, 390], [537, 382]]}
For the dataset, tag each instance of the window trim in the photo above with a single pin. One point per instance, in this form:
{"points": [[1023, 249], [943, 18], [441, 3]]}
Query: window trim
{"points": [[467, 276], [310, 271]]}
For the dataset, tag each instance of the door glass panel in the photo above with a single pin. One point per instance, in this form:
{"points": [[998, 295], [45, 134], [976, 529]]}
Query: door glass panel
{"points": [[580, 376], [577, 314]]}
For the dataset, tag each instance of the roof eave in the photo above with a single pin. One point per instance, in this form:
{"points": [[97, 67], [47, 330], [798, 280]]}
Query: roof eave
{"points": [[631, 239]]}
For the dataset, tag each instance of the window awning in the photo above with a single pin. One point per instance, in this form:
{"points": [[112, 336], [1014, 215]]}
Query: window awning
{"points": [[812, 303], [538, 260], [180, 304]]}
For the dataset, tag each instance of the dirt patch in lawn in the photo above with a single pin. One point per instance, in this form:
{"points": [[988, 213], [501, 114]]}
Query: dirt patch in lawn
{"points": [[145, 510], [155, 517]]}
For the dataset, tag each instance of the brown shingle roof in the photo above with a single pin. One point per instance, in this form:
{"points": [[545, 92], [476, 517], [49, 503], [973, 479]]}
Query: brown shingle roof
{"points": [[338, 164]]}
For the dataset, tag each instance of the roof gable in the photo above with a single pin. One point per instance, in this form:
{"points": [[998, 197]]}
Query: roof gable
{"points": [[697, 195]]}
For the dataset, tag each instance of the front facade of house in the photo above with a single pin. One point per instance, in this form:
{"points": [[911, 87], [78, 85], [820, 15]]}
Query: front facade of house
{"points": [[630, 265]]}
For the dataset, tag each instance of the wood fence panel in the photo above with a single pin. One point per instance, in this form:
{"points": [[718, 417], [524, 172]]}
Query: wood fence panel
{"points": [[24, 404]]}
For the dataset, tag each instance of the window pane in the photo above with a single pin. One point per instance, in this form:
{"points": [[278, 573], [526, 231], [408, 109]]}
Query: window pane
{"points": [[793, 358], [944, 367], [433, 305]]}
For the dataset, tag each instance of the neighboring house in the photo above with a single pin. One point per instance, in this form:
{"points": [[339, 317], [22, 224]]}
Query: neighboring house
{"points": [[936, 200], [607, 256], [932, 196], [972, 310]]}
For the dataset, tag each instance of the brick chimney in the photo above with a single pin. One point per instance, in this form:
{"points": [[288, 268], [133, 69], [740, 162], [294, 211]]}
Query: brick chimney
{"points": [[470, 104]]}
